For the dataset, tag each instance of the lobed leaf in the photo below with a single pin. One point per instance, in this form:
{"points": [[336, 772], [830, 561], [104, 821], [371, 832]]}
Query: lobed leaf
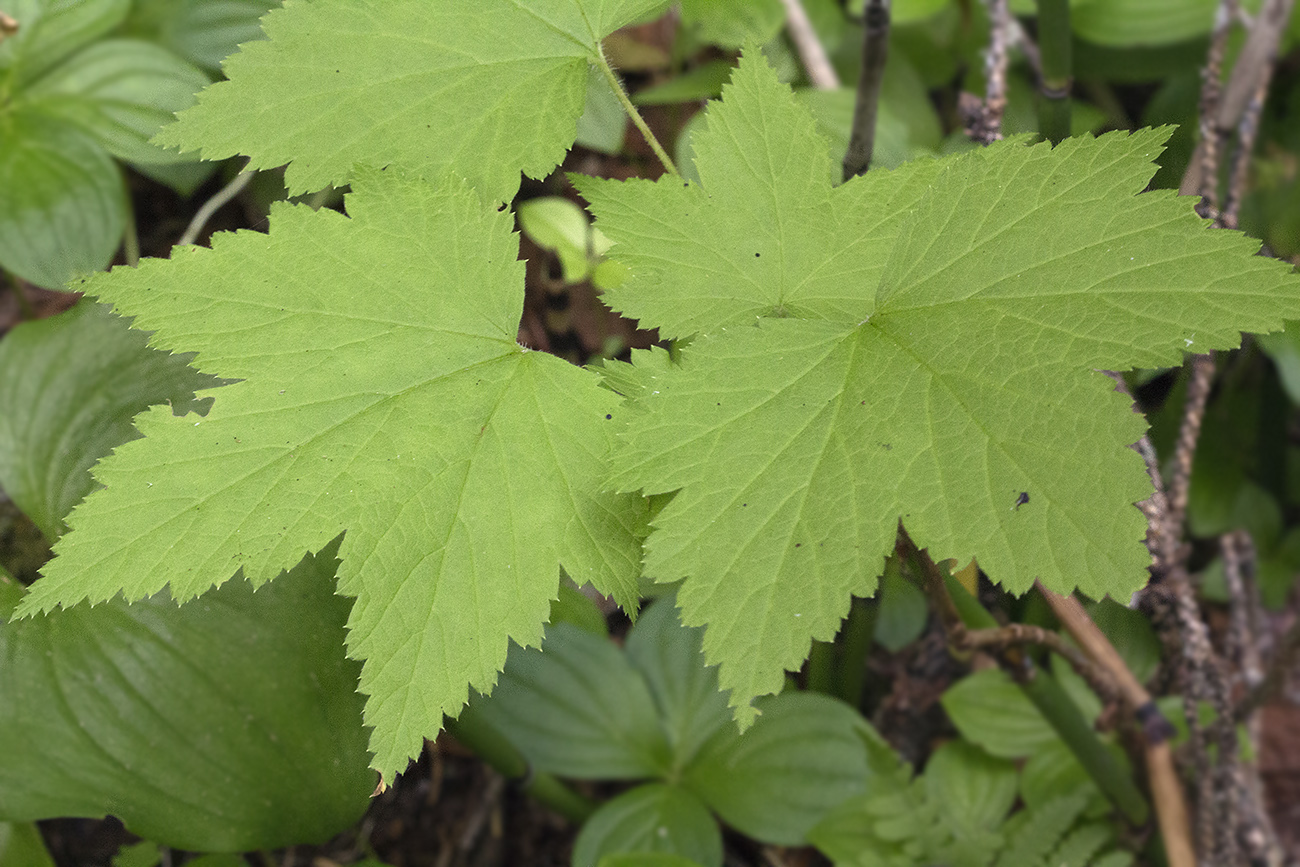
{"points": [[382, 394], [922, 345], [484, 90]]}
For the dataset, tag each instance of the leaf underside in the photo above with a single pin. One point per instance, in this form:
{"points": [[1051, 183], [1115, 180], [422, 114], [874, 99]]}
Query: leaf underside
{"points": [[483, 90], [382, 393], [923, 345]]}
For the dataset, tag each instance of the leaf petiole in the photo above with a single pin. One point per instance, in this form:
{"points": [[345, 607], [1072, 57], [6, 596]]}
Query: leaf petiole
{"points": [[617, 84]]}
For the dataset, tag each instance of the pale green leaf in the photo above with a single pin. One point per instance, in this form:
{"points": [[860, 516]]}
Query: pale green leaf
{"points": [[69, 387], [923, 345], [763, 234], [485, 90], [382, 394], [732, 23], [650, 818], [121, 91], [62, 199], [603, 124]]}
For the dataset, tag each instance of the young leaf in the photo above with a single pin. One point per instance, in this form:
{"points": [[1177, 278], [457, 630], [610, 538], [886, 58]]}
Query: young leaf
{"points": [[485, 90], [382, 393], [807, 754], [953, 318]]}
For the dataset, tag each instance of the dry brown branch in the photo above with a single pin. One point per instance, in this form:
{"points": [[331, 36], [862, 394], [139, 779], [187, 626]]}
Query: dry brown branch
{"points": [[811, 51], [1189, 432], [1166, 790], [982, 120]]}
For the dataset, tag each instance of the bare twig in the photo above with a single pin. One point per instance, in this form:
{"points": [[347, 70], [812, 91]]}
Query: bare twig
{"points": [[811, 51], [1238, 552], [1198, 391], [1247, 130], [875, 50], [214, 204], [982, 120], [1285, 661], [1255, 63]]}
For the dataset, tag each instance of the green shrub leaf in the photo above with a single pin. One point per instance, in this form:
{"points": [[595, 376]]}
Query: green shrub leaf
{"points": [[685, 691], [923, 345], [486, 90], [382, 393], [204, 32], [991, 711], [50, 30]]}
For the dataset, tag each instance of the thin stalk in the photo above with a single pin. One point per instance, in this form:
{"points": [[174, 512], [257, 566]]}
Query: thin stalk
{"points": [[1056, 706], [492, 747], [1054, 86], [875, 51], [617, 84], [212, 205], [810, 48], [856, 638], [130, 235], [821, 667]]}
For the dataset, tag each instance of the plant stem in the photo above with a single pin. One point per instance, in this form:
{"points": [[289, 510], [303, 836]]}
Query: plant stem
{"points": [[130, 236], [875, 51], [1054, 86], [821, 668], [490, 745], [212, 205], [617, 84], [858, 633], [1056, 706]]}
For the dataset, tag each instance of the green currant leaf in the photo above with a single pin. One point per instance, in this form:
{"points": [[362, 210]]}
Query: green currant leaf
{"points": [[382, 394], [485, 90], [923, 345]]}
